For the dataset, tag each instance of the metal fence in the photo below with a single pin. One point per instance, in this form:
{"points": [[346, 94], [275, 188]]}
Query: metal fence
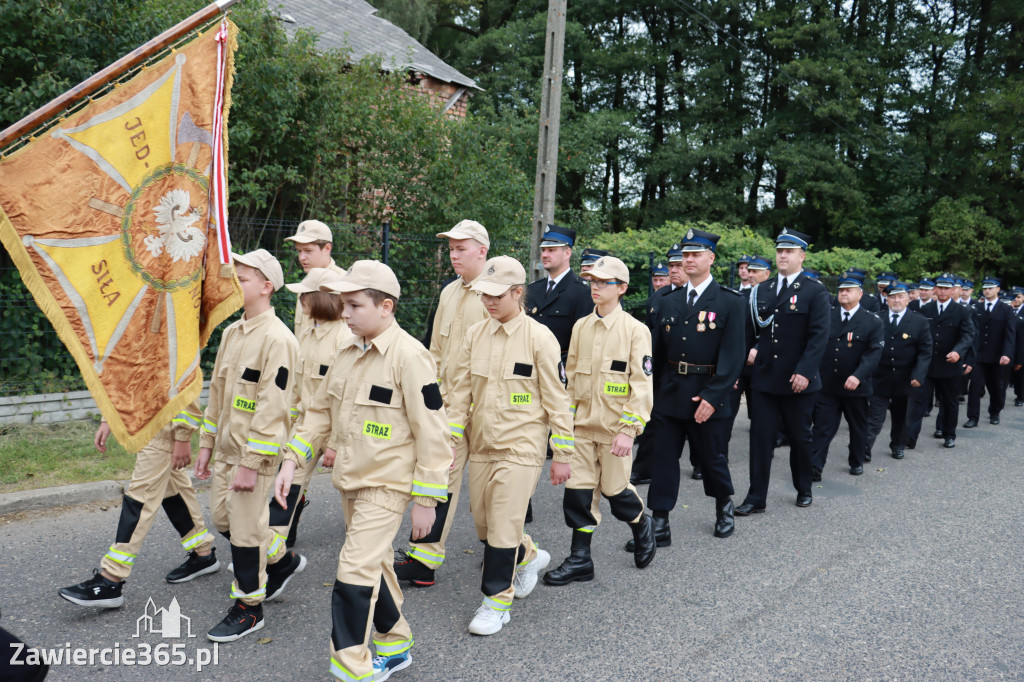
{"points": [[33, 359]]}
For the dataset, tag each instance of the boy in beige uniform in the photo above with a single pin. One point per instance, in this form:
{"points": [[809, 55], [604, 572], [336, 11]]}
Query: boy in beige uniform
{"points": [[458, 308], [318, 342], [159, 479], [312, 240], [609, 376], [380, 416], [510, 369], [246, 423]]}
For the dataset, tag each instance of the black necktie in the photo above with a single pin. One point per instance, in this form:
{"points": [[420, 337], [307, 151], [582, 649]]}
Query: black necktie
{"points": [[895, 319], [693, 297], [551, 286], [988, 307], [846, 316]]}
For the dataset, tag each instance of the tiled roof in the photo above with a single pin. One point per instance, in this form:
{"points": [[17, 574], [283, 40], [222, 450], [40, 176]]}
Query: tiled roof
{"points": [[353, 25]]}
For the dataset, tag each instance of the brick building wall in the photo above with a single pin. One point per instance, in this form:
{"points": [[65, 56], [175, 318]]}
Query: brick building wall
{"points": [[440, 92]]}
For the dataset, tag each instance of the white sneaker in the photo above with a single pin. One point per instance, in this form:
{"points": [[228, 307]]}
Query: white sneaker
{"points": [[488, 620], [526, 576]]}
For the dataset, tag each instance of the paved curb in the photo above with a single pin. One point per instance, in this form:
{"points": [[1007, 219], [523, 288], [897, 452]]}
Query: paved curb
{"points": [[60, 496]]}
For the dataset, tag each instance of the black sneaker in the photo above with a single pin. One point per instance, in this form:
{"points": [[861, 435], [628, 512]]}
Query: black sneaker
{"points": [[194, 567], [96, 591], [240, 621], [412, 571], [280, 573]]}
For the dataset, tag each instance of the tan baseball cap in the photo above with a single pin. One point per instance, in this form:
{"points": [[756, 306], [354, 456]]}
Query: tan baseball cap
{"points": [[314, 279], [500, 274], [610, 268], [366, 274], [265, 263], [310, 231], [468, 229]]}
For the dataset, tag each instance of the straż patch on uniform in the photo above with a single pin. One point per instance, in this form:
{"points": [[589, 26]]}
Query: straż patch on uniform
{"points": [[379, 394], [561, 374], [250, 374], [323, 370], [522, 370], [432, 396], [282, 378], [648, 365], [618, 366]]}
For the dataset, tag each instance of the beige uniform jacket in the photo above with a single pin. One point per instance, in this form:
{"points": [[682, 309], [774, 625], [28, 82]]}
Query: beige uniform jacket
{"points": [[510, 374], [609, 374], [317, 346], [381, 410], [301, 321], [249, 413], [458, 309]]}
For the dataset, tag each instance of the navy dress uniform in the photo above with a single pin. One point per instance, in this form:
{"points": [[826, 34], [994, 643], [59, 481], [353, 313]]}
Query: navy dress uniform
{"points": [[590, 257], [569, 300], [996, 338], [883, 280], [698, 355], [952, 331], [793, 330], [1017, 376], [645, 443], [750, 338], [905, 358], [853, 350]]}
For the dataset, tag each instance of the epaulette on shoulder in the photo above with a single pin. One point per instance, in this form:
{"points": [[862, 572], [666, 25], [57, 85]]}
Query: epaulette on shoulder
{"points": [[581, 281], [731, 291]]}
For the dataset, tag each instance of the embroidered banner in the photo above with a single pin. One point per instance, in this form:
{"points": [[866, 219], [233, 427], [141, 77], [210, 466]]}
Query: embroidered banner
{"points": [[111, 216]]}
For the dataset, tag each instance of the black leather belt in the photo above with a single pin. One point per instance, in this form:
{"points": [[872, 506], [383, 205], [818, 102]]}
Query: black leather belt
{"points": [[688, 368]]}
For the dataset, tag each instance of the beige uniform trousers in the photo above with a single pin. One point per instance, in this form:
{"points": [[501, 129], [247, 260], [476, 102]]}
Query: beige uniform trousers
{"points": [[246, 516], [154, 479], [499, 493], [366, 560], [594, 467], [431, 554], [277, 536]]}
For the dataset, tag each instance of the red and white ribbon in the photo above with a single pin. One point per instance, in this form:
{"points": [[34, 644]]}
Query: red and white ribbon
{"points": [[219, 186]]}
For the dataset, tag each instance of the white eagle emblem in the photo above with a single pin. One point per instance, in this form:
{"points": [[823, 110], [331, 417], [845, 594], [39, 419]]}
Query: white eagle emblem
{"points": [[179, 236], [689, 235]]}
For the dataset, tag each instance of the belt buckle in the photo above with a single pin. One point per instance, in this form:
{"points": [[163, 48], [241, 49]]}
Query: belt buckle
{"points": [[685, 366]]}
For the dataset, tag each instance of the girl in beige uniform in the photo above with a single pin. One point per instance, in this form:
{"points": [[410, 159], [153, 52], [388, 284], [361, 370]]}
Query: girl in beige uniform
{"points": [[509, 369]]}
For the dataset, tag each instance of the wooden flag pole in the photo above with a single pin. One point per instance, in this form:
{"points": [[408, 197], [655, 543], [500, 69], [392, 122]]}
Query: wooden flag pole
{"points": [[98, 80]]}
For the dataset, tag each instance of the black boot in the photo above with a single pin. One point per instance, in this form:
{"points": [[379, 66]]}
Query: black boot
{"points": [[644, 544], [577, 566], [662, 533], [724, 522], [293, 531]]}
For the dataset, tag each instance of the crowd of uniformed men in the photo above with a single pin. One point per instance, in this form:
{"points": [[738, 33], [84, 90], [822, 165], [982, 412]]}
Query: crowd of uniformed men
{"points": [[556, 361]]}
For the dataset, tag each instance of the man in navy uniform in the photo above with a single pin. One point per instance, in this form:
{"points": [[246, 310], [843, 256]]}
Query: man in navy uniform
{"points": [[792, 317], [952, 338], [698, 354], [758, 270], [742, 273], [883, 280], [645, 443], [1017, 375], [561, 298], [659, 276], [851, 355], [994, 348], [901, 370], [925, 288], [589, 257]]}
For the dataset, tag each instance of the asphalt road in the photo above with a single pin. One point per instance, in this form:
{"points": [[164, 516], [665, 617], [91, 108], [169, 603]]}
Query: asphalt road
{"points": [[911, 571]]}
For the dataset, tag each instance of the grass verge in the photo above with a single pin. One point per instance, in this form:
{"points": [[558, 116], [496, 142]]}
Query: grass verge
{"points": [[43, 455]]}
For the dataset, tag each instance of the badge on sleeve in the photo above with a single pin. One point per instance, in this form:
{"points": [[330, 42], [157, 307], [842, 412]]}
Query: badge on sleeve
{"points": [[561, 374], [648, 365]]}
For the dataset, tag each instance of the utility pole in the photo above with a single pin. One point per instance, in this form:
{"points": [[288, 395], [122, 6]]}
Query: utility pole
{"points": [[547, 144]]}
